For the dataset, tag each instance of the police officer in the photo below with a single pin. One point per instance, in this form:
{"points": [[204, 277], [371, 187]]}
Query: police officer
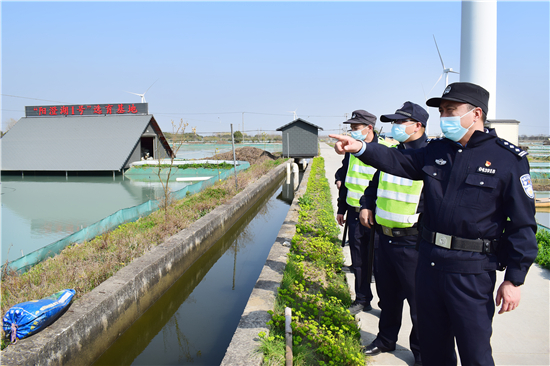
{"points": [[398, 207], [478, 217], [356, 176]]}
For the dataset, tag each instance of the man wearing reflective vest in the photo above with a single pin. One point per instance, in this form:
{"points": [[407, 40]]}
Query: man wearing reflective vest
{"points": [[356, 176], [479, 216], [395, 204]]}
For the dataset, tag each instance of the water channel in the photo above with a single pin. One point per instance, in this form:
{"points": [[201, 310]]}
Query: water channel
{"points": [[194, 321]]}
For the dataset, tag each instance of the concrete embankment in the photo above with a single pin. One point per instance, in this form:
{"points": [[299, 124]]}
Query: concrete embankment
{"points": [[242, 350], [92, 323]]}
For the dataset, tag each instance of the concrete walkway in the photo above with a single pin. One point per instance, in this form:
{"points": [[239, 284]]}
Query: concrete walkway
{"points": [[520, 337]]}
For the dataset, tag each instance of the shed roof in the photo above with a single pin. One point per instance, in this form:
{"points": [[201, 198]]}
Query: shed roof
{"points": [[83, 143], [296, 121]]}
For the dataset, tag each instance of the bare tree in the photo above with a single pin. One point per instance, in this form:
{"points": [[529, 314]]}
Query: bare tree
{"points": [[9, 124], [177, 132]]}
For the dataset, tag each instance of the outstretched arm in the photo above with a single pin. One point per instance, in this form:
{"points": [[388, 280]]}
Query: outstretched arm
{"points": [[346, 144]]}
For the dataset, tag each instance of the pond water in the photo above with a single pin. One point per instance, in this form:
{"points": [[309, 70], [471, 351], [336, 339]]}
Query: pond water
{"points": [[39, 210]]}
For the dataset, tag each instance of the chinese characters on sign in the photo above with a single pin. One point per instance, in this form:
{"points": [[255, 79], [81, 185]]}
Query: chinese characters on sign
{"points": [[86, 109]]}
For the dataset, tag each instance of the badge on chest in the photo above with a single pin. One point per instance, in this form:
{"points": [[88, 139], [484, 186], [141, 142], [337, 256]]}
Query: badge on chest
{"points": [[486, 169]]}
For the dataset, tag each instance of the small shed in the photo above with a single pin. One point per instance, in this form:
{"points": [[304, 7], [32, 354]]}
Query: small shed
{"points": [[507, 129], [300, 139]]}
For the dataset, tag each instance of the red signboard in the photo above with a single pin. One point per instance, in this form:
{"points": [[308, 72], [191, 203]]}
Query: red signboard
{"points": [[86, 110]]}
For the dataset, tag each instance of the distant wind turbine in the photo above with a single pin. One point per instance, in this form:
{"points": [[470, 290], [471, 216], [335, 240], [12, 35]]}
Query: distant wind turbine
{"points": [[295, 115], [143, 95], [445, 72]]}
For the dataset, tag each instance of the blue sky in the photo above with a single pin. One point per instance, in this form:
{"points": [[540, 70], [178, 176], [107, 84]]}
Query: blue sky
{"points": [[215, 60]]}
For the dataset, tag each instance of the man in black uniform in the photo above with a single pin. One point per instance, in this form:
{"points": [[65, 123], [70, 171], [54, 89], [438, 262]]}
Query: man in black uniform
{"points": [[398, 204], [478, 217], [354, 177]]}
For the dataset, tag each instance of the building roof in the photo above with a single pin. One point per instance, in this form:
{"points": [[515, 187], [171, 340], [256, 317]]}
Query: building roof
{"points": [[512, 121], [296, 121], [83, 143]]}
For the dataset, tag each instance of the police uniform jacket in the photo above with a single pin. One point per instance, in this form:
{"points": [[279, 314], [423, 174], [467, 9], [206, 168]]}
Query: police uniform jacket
{"points": [[481, 190], [368, 201]]}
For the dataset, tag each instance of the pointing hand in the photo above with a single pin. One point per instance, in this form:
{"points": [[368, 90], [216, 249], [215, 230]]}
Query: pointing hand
{"points": [[346, 144]]}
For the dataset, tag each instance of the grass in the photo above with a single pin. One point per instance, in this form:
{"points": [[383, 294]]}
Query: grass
{"points": [[84, 266], [186, 166], [314, 287], [543, 256]]}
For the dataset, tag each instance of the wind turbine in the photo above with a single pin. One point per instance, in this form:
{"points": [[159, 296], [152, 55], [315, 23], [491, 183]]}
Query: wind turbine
{"points": [[446, 71], [295, 115], [143, 95]]}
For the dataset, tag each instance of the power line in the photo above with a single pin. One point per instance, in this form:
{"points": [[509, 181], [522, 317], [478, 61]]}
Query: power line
{"points": [[45, 100]]}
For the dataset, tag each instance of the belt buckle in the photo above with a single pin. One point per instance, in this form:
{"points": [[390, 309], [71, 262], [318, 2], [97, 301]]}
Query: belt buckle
{"points": [[442, 240], [387, 231]]}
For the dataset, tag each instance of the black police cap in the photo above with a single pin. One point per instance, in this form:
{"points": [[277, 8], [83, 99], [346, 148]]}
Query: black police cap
{"points": [[362, 116], [464, 93], [408, 110]]}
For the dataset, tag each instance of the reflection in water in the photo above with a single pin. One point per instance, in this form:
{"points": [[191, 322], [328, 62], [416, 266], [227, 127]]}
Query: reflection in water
{"points": [[194, 321], [39, 210]]}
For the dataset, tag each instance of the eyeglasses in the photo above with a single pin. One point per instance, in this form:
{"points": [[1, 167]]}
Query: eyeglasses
{"points": [[359, 129], [398, 122]]}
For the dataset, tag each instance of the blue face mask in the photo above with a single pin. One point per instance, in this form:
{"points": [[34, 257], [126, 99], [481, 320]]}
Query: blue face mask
{"points": [[451, 127], [358, 135], [398, 132]]}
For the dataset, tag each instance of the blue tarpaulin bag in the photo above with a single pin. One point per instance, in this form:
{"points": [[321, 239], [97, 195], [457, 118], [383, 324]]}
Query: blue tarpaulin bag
{"points": [[29, 317]]}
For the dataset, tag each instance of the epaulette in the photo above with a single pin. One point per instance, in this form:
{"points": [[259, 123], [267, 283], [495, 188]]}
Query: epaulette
{"points": [[434, 139], [512, 148]]}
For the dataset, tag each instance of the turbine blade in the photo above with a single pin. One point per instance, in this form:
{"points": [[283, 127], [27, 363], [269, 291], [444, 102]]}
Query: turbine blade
{"points": [[150, 86], [439, 53], [440, 76], [455, 72], [133, 93], [424, 92]]}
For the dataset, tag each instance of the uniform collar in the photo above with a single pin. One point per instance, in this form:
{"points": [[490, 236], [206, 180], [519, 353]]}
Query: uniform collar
{"points": [[479, 137], [418, 143]]}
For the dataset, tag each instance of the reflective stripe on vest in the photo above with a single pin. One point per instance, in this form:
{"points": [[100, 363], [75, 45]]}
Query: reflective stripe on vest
{"points": [[397, 201], [358, 177]]}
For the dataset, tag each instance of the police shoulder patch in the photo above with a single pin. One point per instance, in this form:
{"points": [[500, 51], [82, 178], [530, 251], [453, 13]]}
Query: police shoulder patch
{"points": [[527, 185], [512, 148]]}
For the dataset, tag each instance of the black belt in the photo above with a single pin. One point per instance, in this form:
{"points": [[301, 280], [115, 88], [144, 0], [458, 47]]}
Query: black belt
{"points": [[398, 232], [453, 242]]}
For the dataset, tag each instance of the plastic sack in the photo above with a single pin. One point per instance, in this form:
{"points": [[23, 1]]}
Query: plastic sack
{"points": [[29, 317]]}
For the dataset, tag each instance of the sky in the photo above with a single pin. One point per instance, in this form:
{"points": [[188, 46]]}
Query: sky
{"points": [[213, 64]]}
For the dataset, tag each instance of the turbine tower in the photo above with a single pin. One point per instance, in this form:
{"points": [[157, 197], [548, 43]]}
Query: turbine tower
{"points": [[478, 47]]}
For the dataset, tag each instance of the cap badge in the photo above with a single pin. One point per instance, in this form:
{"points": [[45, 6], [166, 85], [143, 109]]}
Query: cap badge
{"points": [[487, 163], [447, 89], [440, 162], [353, 115]]}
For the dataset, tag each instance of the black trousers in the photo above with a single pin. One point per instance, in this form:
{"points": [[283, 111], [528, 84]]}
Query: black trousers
{"points": [[359, 237], [396, 260], [454, 306]]}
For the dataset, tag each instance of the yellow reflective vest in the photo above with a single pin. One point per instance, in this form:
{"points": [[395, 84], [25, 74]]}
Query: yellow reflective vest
{"points": [[397, 201], [358, 177]]}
